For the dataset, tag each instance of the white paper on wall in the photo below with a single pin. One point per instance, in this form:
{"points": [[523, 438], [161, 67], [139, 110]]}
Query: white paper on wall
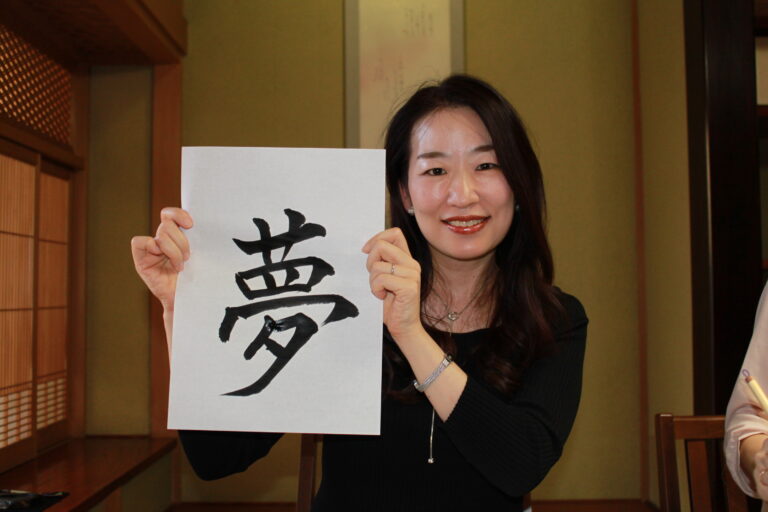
{"points": [[275, 327]]}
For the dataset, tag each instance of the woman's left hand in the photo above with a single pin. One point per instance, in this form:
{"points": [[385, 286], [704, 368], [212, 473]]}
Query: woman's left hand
{"points": [[395, 277]]}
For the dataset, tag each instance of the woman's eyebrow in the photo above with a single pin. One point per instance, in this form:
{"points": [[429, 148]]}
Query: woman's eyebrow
{"points": [[483, 149], [432, 154]]}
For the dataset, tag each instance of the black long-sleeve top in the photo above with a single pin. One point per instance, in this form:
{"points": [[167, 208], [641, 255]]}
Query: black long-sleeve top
{"points": [[488, 454]]}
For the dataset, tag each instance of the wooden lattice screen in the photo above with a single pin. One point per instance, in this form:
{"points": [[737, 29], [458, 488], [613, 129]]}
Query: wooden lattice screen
{"points": [[53, 235], [35, 91], [17, 237], [34, 225]]}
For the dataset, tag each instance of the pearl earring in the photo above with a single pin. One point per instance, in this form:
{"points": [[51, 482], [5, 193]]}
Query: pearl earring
{"points": [[411, 211]]}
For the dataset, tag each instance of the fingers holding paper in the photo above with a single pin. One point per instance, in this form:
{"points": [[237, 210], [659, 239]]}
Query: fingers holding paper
{"points": [[760, 472], [395, 278], [159, 259]]}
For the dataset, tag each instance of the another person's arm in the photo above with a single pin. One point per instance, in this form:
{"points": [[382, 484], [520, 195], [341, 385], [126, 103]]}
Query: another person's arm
{"points": [[746, 425]]}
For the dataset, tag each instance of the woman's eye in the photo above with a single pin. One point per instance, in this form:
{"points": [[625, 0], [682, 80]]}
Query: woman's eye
{"points": [[435, 171], [486, 166]]}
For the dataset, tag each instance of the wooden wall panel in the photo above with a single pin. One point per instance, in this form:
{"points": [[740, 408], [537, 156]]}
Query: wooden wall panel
{"points": [[54, 208], [15, 348], [51, 341], [15, 272], [17, 196], [52, 275]]}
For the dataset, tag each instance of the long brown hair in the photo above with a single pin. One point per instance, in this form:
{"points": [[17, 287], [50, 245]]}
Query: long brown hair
{"points": [[525, 303]]}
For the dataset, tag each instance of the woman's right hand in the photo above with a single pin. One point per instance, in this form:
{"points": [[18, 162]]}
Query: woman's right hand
{"points": [[159, 260]]}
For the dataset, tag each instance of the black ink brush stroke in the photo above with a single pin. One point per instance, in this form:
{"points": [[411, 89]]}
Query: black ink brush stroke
{"points": [[305, 328], [297, 232], [342, 309], [320, 270]]}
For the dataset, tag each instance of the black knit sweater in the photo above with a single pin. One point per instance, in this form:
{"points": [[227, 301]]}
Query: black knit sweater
{"points": [[488, 454]]}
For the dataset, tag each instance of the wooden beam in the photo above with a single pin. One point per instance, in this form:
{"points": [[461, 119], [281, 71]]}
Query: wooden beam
{"points": [[78, 257], [170, 15], [52, 150], [166, 184], [143, 30], [724, 193]]}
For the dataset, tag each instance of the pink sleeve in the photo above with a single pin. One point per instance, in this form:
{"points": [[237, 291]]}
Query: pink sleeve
{"points": [[744, 417]]}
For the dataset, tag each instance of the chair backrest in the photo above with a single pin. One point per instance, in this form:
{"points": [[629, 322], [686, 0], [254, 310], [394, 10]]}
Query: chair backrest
{"points": [[703, 440], [307, 465]]}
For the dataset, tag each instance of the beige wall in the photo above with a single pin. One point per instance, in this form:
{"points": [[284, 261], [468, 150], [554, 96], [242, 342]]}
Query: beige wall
{"points": [[118, 380], [117, 394], [566, 66], [262, 73], [667, 221]]}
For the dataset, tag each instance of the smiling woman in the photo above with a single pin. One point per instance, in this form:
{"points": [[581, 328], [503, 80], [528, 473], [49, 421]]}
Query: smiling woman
{"points": [[482, 355], [456, 187]]}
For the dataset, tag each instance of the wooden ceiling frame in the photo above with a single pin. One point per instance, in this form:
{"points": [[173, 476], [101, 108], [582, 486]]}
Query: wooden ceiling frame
{"points": [[161, 43], [79, 34]]}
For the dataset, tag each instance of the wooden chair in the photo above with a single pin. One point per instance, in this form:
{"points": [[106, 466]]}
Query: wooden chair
{"points": [[307, 465], [703, 440]]}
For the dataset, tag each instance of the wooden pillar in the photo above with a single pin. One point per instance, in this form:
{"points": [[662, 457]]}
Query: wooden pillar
{"points": [[166, 180], [724, 192]]}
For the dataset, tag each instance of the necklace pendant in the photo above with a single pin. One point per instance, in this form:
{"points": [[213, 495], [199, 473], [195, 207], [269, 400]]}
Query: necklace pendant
{"points": [[453, 316]]}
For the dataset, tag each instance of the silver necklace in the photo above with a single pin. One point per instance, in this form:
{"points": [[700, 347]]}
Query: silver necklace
{"points": [[450, 316]]}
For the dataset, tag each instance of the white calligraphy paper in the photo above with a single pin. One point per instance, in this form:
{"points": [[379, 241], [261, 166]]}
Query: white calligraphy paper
{"points": [[275, 328]]}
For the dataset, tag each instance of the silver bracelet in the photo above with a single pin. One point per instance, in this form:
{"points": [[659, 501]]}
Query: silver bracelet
{"points": [[447, 360]]}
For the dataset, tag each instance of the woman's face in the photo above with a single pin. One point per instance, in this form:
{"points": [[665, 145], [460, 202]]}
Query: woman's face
{"points": [[461, 199]]}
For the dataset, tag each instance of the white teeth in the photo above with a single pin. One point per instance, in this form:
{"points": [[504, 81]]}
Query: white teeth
{"points": [[465, 223]]}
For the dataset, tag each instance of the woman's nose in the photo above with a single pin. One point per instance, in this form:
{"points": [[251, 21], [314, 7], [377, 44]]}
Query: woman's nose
{"points": [[463, 190]]}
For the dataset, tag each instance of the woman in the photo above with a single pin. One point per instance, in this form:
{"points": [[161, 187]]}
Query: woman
{"points": [[746, 424], [483, 356]]}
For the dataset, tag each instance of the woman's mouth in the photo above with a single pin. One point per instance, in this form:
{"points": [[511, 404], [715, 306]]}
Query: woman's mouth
{"points": [[466, 225]]}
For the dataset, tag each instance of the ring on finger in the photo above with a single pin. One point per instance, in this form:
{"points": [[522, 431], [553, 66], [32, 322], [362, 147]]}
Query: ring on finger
{"points": [[392, 269]]}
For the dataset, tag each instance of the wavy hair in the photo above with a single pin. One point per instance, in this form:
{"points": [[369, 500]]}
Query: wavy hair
{"points": [[524, 303]]}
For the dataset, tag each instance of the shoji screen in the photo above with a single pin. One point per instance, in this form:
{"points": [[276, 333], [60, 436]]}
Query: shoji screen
{"points": [[52, 311], [17, 244], [34, 229]]}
